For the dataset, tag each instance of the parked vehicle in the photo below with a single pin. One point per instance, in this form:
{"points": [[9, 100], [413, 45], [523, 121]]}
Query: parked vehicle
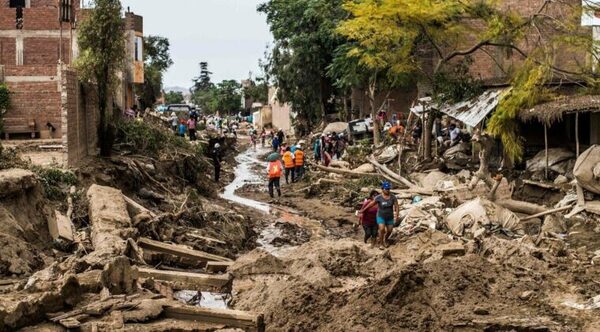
{"points": [[359, 130]]}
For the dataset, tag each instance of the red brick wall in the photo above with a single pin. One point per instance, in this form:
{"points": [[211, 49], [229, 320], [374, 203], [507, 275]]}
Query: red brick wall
{"points": [[41, 18], [47, 70], [80, 116], [34, 101], [8, 18], [495, 65], [44, 51], [46, 3], [8, 51]]}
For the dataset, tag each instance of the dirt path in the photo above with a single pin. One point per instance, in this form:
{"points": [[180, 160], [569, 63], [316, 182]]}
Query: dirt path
{"points": [[291, 220]]}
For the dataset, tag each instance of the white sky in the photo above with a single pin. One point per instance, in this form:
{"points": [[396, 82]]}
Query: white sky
{"points": [[229, 34]]}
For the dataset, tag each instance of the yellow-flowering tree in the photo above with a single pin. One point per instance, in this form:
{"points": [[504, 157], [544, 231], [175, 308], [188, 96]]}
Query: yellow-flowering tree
{"points": [[426, 39]]}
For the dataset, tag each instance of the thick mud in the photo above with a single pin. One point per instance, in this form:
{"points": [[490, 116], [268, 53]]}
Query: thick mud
{"points": [[312, 272]]}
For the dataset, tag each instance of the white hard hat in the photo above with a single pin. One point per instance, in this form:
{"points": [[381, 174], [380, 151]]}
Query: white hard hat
{"points": [[217, 145]]}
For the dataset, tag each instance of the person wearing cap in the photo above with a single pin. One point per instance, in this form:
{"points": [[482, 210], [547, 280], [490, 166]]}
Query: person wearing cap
{"points": [[174, 122], [299, 160], [387, 213], [216, 157]]}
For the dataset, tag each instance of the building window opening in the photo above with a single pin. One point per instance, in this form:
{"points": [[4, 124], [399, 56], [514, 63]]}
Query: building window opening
{"points": [[139, 49], [17, 3]]}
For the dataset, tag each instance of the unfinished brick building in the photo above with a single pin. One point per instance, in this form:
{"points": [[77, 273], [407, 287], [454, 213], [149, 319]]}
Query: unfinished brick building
{"points": [[36, 53]]}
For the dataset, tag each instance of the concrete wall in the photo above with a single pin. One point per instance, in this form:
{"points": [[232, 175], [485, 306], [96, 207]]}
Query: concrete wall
{"points": [[80, 117]]}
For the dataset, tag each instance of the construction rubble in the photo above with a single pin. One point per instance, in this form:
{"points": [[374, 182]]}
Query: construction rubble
{"points": [[139, 243]]}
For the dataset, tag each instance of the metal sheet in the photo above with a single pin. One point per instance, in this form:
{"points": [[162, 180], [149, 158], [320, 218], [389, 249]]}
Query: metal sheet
{"points": [[470, 112]]}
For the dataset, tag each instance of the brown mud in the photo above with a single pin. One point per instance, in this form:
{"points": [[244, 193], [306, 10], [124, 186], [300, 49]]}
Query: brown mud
{"points": [[428, 281]]}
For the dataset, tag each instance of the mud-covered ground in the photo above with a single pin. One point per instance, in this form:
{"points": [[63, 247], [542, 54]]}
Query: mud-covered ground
{"points": [[311, 271]]}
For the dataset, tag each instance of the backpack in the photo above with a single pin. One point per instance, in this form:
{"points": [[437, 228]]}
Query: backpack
{"points": [[275, 169]]}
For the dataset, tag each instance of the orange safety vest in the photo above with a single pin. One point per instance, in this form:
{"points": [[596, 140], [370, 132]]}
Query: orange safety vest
{"points": [[275, 169], [288, 159], [299, 158]]}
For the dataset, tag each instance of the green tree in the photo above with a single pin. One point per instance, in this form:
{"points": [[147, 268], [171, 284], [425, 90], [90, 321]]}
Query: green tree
{"points": [[157, 60], [102, 53], [4, 105], [305, 40], [202, 82], [174, 97], [228, 97], [258, 90]]}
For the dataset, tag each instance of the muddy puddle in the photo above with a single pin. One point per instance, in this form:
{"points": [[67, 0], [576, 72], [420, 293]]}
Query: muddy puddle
{"points": [[288, 229], [204, 299], [245, 175]]}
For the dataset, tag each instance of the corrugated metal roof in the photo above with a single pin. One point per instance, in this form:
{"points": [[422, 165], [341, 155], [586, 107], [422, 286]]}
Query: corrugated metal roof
{"points": [[471, 112]]}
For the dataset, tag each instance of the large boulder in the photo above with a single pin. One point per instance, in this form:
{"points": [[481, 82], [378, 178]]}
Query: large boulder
{"points": [[336, 127]]}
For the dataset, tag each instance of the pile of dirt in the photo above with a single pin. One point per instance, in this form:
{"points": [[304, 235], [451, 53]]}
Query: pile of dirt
{"points": [[25, 242], [491, 285]]}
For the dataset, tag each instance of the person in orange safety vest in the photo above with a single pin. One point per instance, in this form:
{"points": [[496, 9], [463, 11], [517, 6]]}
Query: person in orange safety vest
{"points": [[274, 171], [299, 161], [289, 163]]}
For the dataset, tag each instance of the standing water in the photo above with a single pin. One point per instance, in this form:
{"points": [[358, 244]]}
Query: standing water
{"points": [[243, 176]]}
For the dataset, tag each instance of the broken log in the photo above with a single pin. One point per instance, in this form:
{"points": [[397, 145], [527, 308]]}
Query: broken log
{"points": [[541, 214], [391, 174], [521, 206], [230, 318], [180, 251], [549, 186], [188, 280], [343, 171]]}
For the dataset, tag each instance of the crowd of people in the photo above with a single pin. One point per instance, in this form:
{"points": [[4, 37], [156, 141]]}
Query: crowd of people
{"points": [[288, 163], [328, 147]]}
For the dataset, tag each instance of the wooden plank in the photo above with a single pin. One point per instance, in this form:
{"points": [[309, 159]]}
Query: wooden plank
{"points": [[180, 251], [136, 207], [230, 318], [580, 196], [188, 280], [541, 214], [206, 238], [216, 267], [60, 227]]}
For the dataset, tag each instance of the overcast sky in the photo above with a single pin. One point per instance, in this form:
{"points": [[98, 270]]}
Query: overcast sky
{"points": [[229, 34]]}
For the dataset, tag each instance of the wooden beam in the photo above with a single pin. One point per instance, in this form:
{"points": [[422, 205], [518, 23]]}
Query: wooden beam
{"points": [[546, 149], [231, 318], [188, 280], [541, 214], [216, 267], [577, 132], [180, 251]]}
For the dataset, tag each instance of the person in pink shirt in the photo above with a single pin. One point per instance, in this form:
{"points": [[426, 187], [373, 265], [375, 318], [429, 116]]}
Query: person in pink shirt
{"points": [[191, 123]]}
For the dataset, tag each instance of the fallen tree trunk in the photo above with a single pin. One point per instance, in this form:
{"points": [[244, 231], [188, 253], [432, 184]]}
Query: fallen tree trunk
{"points": [[541, 214], [391, 174], [521, 206], [343, 171]]}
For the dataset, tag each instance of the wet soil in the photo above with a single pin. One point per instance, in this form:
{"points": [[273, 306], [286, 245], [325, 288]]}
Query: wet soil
{"points": [[312, 272]]}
